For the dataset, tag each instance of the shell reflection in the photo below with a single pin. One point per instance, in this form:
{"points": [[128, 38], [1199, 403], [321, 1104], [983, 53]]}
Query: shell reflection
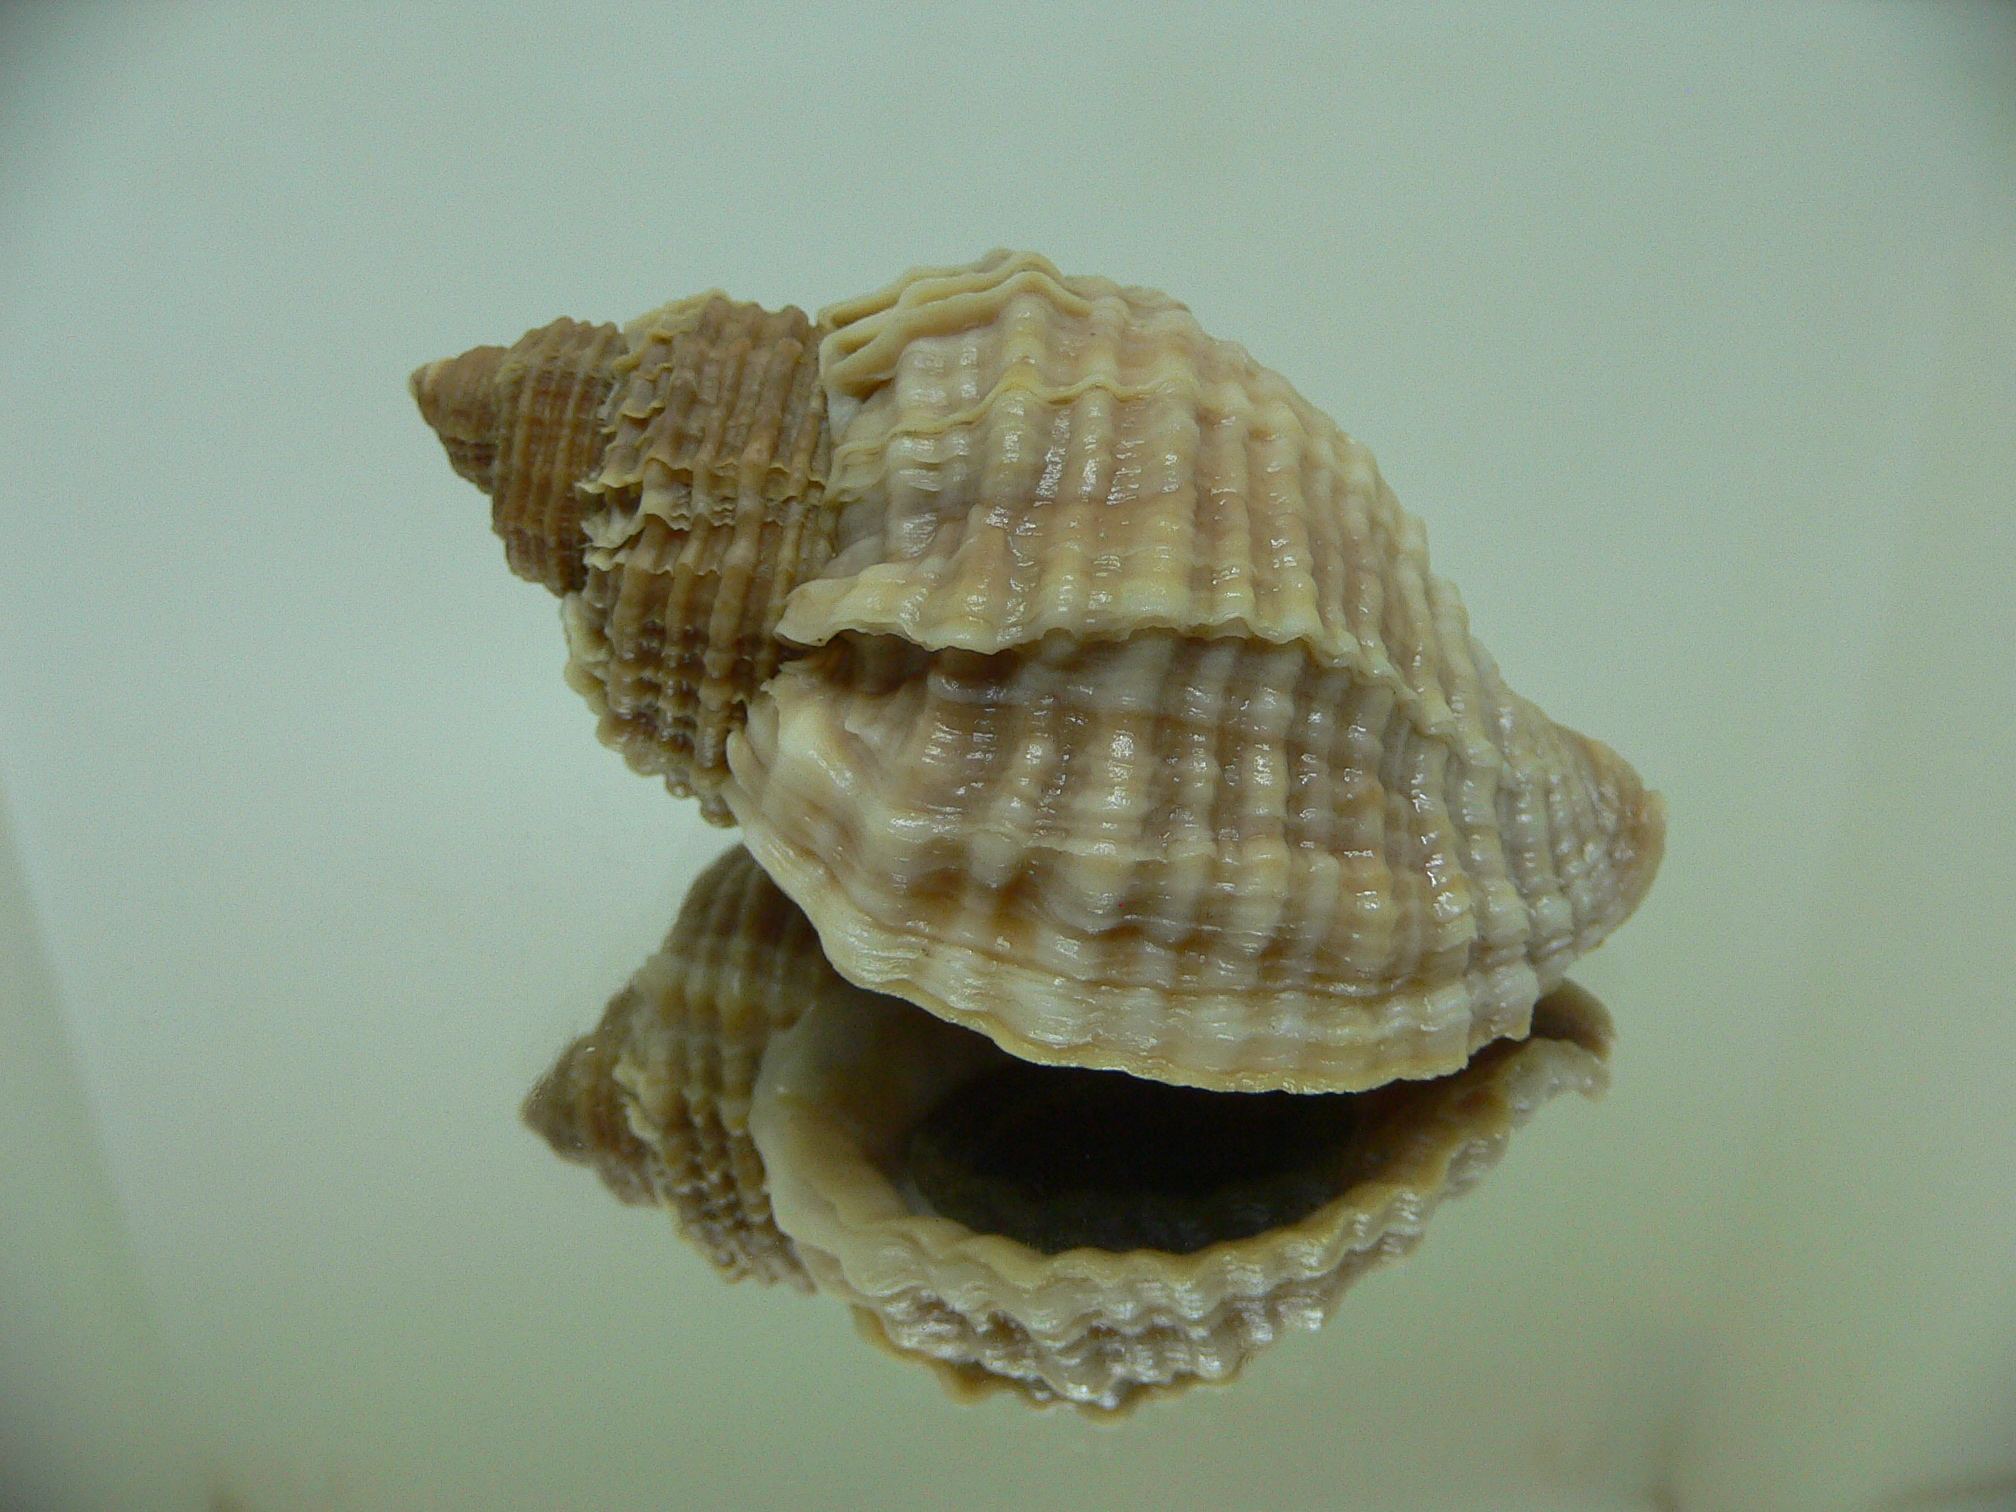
{"points": [[1077, 1236]]}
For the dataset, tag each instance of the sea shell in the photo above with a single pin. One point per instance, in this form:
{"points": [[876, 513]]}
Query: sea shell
{"points": [[1070, 1235], [1082, 682]]}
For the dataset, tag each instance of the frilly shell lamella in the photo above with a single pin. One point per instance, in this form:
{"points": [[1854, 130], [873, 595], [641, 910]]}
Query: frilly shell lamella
{"points": [[1073, 1236], [1083, 683]]}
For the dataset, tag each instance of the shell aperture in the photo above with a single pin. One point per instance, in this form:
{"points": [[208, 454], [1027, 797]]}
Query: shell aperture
{"points": [[1058, 1158]]}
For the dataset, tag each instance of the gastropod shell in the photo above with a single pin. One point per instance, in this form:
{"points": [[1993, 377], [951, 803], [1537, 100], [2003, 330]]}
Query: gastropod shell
{"points": [[1080, 681]]}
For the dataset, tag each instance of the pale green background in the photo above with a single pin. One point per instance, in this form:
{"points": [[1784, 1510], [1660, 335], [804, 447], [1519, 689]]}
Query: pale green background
{"points": [[1691, 334]]}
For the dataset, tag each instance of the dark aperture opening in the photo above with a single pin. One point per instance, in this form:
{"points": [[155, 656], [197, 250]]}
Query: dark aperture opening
{"points": [[1060, 1158]]}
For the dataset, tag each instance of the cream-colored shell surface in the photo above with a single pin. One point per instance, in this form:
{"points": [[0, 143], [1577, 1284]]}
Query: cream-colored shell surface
{"points": [[1022, 453], [840, 1091], [1205, 861]]}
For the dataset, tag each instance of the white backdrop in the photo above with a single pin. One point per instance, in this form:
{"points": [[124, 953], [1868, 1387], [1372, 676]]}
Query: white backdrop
{"points": [[1691, 334]]}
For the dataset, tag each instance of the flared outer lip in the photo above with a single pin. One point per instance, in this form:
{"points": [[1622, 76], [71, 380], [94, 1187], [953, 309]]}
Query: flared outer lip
{"points": [[828, 1195]]}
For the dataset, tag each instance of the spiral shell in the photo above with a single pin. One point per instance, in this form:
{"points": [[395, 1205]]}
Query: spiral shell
{"points": [[1083, 683], [799, 1127]]}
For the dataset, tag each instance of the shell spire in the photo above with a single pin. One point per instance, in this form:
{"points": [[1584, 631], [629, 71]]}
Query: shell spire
{"points": [[519, 423], [665, 480], [656, 1098]]}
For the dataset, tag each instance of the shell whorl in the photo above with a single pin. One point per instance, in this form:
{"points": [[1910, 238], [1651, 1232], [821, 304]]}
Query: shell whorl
{"points": [[667, 481], [520, 423], [708, 509]]}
